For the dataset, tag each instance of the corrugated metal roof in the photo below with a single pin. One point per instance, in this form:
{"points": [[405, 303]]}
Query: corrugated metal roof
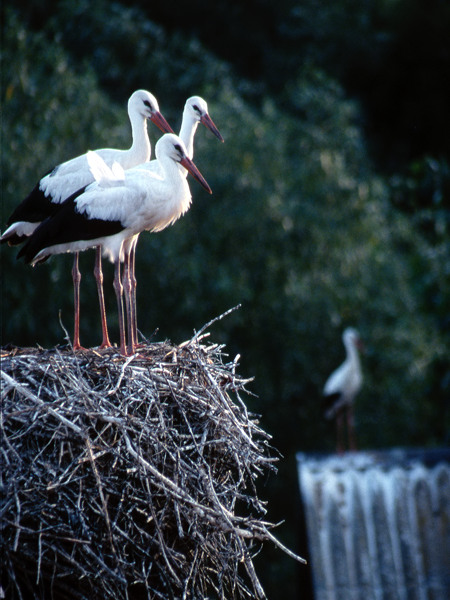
{"points": [[378, 525]]}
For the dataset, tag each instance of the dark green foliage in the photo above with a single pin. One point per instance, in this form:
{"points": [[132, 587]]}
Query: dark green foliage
{"points": [[302, 228]]}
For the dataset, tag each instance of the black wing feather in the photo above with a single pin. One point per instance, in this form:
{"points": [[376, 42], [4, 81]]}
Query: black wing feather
{"points": [[65, 226], [332, 404], [35, 208]]}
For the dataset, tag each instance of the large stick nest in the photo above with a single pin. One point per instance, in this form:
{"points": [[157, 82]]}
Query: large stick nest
{"points": [[130, 478]]}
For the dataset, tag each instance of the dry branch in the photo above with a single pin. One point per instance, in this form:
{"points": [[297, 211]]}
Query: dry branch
{"points": [[130, 478]]}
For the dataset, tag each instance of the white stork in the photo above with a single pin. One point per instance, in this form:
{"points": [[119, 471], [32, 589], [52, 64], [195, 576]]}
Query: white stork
{"points": [[75, 174], [341, 388], [110, 212], [195, 112]]}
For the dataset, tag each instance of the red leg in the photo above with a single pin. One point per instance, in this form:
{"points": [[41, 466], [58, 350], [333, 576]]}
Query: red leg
{"points": [[351, 428], [133, 286], [98, 273], [76, 276], [119, 295], [340, 446], [128, 300]]}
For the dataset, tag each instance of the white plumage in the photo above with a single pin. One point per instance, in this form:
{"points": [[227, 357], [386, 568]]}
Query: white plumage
{"points": [[195, 112], [343, 385], [72, 175], [75, 174], [109, 216], [102, 173]]}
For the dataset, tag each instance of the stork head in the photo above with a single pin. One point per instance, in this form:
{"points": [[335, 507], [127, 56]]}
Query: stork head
{"points": [[172, 146], [197, 109], [352, 337], [145, 104]]}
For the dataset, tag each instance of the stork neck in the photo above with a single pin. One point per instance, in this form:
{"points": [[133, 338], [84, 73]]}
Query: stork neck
{"points": [[187, 132], [352, 352], [140, 147], [172, 172]]}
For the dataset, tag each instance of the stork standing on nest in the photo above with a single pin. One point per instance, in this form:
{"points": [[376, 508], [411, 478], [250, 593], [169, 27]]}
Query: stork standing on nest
{"points": [[341, 388], [75, 174], [195, 112], [113, 210]]}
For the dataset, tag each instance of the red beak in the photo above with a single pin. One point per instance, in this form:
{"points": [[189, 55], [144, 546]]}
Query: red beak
{"points": [[189, 165], [206, 120], [160, 122]]}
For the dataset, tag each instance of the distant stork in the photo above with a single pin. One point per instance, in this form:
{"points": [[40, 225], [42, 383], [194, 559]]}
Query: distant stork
{"points": [[72, 176], [341, 388]]}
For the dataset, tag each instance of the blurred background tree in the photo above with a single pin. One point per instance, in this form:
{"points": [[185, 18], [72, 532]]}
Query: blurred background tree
{"points": [[330, 204]]}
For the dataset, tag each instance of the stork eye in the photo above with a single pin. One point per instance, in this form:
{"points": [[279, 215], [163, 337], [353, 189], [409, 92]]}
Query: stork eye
{"points": [[196, 108], [178, 148], [147, 103]]}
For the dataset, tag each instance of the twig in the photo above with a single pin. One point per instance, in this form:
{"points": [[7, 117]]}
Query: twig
{"points": [[131, 474], [40, 402], [219, 318]]}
